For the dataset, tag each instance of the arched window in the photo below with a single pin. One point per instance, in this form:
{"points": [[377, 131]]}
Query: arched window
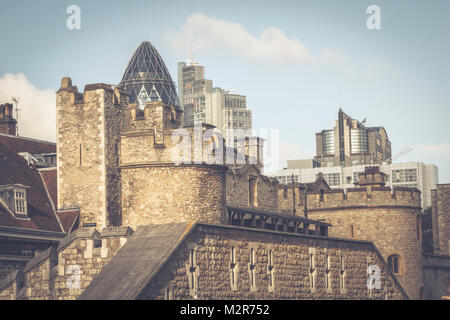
{"points": [[394, 263]]}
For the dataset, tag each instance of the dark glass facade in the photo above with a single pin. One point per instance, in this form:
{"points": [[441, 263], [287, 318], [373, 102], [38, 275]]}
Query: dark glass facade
{"points": [[146, 78]]}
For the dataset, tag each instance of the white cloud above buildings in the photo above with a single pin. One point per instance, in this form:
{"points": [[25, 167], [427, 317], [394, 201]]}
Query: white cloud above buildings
{"points": [[209, 33], [37, 108]]}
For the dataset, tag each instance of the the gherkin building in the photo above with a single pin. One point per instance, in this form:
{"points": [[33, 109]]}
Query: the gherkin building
{"points": [[146, 78]]}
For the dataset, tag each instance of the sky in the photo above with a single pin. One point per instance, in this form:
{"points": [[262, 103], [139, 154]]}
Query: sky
{"points": [[297, 62]]}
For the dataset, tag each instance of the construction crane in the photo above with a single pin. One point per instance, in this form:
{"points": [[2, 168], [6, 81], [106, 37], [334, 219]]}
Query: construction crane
{"points": [[398, 155]]}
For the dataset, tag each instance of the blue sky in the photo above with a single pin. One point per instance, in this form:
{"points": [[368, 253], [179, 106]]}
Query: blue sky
{"points": [[296, 61]]}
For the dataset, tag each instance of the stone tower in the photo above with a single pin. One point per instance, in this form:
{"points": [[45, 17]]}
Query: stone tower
{"points": [[88, 143], [388, 217]]}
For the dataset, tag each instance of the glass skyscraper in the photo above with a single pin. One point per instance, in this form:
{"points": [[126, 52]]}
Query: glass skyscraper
{"points": [[147, 79]]}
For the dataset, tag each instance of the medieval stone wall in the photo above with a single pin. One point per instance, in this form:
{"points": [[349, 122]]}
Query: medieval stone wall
{"points": [[290, 267], [441, 218], [437, 276], [238, 189], [168, 193], [65, 272], [87, 134], [390, 221]]}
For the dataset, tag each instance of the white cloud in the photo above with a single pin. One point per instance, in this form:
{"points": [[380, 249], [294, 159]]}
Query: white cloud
{"points": [[37, 114], [209, 33]]}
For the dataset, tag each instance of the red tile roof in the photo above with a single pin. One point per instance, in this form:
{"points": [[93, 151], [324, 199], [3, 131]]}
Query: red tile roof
{"points": [[68, 219], [22, 144], [15, 170], [49, 177]]}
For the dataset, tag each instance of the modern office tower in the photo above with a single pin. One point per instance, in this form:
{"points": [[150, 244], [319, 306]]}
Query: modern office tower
{"points": [[350, 142], [204, 104], [407, 174], [147, 79], [192, 89]]}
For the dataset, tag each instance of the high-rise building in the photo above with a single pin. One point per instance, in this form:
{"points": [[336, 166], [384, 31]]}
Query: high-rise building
{"points": [[192, 88], [204, 104], [147, 79], [350, 142]]}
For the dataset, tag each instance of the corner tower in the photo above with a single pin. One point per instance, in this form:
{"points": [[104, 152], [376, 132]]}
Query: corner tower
{"points": [[388, 217], [88, 143]]}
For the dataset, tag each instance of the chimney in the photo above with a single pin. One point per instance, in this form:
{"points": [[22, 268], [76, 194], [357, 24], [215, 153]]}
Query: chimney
{"points": [[7, 122], [372, 177]]}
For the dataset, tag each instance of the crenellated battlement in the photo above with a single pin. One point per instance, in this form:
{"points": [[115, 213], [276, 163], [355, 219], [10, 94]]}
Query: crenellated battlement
{"points": [[364, 197], [64, 272]]}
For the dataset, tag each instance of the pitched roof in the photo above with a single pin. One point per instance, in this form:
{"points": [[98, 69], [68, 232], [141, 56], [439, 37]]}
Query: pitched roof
{"points": [[22, 144], [69, 219], [15, 170], [50, 179], [142, 256]]}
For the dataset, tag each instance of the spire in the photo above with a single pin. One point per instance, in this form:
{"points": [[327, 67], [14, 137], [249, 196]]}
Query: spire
{"points": [[146, 78]]}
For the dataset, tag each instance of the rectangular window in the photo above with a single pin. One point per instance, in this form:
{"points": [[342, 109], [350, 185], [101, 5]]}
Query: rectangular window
{"points": [[398, 176], [270, 270], [252, 269], [410, 175], [252, 192], [328, 272], [342, 287], [333, 179], [233, 269], [312, 269], [20, 202]]}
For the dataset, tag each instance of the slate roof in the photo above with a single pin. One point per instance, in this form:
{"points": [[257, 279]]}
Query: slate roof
{"points": [[22, 144], [141, 258], [15, 170], [50, 180]]}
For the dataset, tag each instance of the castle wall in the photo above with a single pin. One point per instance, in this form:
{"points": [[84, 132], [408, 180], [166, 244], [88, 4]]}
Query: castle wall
{"points": [[290, 256], [157, 194], [87, 134], [63, 273], [441, 218], [390, 221], [286, 200], [238, 189], [437, 276]]}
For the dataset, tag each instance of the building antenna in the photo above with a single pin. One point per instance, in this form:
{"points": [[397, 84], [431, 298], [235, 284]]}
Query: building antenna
{"points": [[190, 46], [15, 101]]}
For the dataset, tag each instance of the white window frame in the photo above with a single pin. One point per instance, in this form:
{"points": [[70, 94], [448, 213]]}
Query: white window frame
{"points": [[20, 201]]}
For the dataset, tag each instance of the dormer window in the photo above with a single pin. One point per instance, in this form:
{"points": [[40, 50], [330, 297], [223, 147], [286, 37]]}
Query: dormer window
{"points": [[14, 198], [20, 201]]}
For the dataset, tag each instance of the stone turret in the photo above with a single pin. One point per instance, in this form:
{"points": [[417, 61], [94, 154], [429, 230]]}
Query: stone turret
{"points": [[388, 217]]}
